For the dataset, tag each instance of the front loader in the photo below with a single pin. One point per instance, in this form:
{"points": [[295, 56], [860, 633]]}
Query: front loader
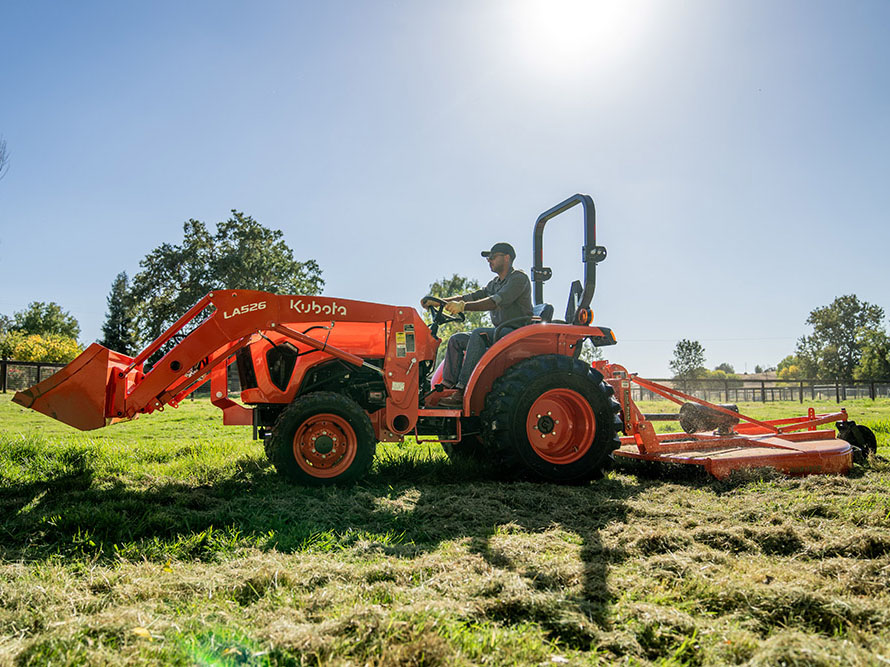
{"points": [[323, 380]]}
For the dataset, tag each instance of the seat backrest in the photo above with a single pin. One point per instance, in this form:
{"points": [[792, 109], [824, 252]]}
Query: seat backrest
{"points": [[544, 311], [575, 293]]}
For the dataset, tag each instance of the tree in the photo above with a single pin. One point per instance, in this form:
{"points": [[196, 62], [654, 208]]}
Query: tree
{"points": [[790, 368], [41, 318], [726, 368], [118, 330], [248, 255], [454, 286], [689, 359], [241, 254], [834, 348], [874, 364]]}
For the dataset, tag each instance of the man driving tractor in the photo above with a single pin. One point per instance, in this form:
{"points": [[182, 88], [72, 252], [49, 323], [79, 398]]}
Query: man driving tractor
{"points": [[507, 297]]}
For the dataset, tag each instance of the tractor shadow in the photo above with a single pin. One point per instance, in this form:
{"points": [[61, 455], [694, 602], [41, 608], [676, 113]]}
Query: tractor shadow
{"points": [[405, 508]]}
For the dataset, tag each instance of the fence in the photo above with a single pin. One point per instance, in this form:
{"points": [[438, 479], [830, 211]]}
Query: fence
{"points": [[768, 390], [18, 375]]}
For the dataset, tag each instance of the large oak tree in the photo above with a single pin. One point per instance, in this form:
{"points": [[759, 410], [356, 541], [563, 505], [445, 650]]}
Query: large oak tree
{"points": [[240, 254]]}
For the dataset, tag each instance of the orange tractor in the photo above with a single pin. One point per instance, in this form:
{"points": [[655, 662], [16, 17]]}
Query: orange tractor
{"points": [[323, 380]]}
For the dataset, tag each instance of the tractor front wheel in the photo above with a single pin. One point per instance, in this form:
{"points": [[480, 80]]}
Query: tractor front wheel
{"points": [[553, 416], [322, 438]]}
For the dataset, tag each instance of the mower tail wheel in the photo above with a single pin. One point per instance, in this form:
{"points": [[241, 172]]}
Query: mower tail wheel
{"points": [[860, 437], [552, 416], [322, 438]]}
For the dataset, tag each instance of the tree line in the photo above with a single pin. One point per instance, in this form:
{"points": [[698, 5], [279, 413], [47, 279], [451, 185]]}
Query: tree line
{"points": [[848, 342]]}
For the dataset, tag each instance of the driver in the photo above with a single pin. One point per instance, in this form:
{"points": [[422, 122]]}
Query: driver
{"points": [[508, 296]]}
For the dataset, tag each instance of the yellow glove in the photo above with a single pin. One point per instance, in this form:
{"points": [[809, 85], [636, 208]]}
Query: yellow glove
{"points": [[455, 307]]}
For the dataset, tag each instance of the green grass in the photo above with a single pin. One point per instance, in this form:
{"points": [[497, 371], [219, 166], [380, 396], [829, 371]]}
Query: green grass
{"points": [[171, 540]]}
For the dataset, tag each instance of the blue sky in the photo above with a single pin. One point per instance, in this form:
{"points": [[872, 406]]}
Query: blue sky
{"points": [[738, 152]]}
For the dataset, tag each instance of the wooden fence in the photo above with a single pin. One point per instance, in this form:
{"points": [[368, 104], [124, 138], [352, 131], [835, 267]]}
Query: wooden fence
{"points": [[743, 389], [18, 375]]}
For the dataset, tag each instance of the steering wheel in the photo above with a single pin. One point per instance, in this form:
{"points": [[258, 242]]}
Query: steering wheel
{"points": [[440, 317]]}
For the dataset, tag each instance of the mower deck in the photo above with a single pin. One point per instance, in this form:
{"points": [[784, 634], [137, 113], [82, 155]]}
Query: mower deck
{"points": [[807, 453], [720, 439]]}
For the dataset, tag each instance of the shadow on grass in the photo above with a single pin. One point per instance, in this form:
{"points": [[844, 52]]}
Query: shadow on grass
{"points": [[409, 504]]}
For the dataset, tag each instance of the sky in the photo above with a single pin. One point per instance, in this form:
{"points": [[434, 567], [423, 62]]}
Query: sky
{"points": [[738, 152]]}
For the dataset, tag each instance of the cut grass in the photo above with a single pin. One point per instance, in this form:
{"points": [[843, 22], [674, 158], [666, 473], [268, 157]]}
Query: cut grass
{"points": [[171, 540]]}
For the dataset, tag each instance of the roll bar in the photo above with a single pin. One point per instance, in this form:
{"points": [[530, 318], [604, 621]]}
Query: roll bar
{"points": [[591, 253]]}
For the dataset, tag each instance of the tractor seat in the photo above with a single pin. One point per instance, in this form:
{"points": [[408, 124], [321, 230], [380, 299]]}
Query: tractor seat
{"points": [[542, 312]]}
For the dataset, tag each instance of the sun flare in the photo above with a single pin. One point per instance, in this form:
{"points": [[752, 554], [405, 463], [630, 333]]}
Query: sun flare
{"points": [[567, 36]]}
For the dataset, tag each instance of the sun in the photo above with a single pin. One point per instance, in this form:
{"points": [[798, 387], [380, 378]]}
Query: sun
{"points": [[571, 36]]}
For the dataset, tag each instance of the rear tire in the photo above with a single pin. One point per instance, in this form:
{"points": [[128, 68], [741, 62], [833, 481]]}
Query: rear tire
{"points": [[554, 417], [322, 438]]}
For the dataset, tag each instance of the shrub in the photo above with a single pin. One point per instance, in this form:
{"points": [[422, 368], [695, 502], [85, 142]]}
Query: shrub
{"points": [[47, 347]]}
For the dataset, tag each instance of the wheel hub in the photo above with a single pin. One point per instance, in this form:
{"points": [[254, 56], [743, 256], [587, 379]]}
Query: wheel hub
{"points": [[561, 426], [324, 444], [545, 424]]}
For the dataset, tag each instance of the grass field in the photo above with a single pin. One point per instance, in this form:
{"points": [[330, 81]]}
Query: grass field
{"points": [[171, 540]]}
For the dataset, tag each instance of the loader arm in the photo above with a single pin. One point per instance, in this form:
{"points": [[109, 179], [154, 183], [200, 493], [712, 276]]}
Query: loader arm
{"points": [[102, 386]]}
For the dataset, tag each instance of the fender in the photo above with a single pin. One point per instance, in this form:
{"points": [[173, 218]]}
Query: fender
{"points": [[529, 341]]}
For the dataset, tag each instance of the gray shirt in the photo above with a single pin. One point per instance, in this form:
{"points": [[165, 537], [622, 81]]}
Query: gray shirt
{"points": [[513, 296]]}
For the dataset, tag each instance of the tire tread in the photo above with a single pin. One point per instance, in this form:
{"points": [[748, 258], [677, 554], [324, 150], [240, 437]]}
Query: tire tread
{"points": [[279, 447], [500, 405]]}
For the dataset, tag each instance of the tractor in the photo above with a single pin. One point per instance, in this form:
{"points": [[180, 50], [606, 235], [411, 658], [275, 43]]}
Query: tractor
{"points": [[323, 380]]}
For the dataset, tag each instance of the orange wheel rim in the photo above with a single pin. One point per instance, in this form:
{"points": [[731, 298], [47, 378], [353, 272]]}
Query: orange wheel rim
{"points": [[560, 426], [325, 445]]}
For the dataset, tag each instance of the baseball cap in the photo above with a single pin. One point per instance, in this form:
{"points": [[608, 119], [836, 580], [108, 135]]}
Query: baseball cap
{"points": [[505, 248]]}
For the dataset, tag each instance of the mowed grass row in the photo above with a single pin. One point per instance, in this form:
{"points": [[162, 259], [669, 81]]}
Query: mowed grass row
{"points": [[170, 539]]}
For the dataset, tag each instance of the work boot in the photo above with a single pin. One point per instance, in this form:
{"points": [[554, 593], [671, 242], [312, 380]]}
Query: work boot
{"points": [[456, 400]]}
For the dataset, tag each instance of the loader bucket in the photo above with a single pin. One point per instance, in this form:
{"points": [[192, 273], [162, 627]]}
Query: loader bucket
{"points": [[80, 393]]}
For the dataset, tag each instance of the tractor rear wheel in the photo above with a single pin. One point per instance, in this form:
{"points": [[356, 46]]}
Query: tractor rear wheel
{"points": [[322, 438], [553, 416]]}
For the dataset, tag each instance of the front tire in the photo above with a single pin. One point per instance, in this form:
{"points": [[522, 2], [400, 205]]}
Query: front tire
{"points": [[554, 417], [322, 438]]}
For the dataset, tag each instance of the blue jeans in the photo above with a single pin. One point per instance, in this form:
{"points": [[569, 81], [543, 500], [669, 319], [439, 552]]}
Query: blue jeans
{"points": [[463, 353]]}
